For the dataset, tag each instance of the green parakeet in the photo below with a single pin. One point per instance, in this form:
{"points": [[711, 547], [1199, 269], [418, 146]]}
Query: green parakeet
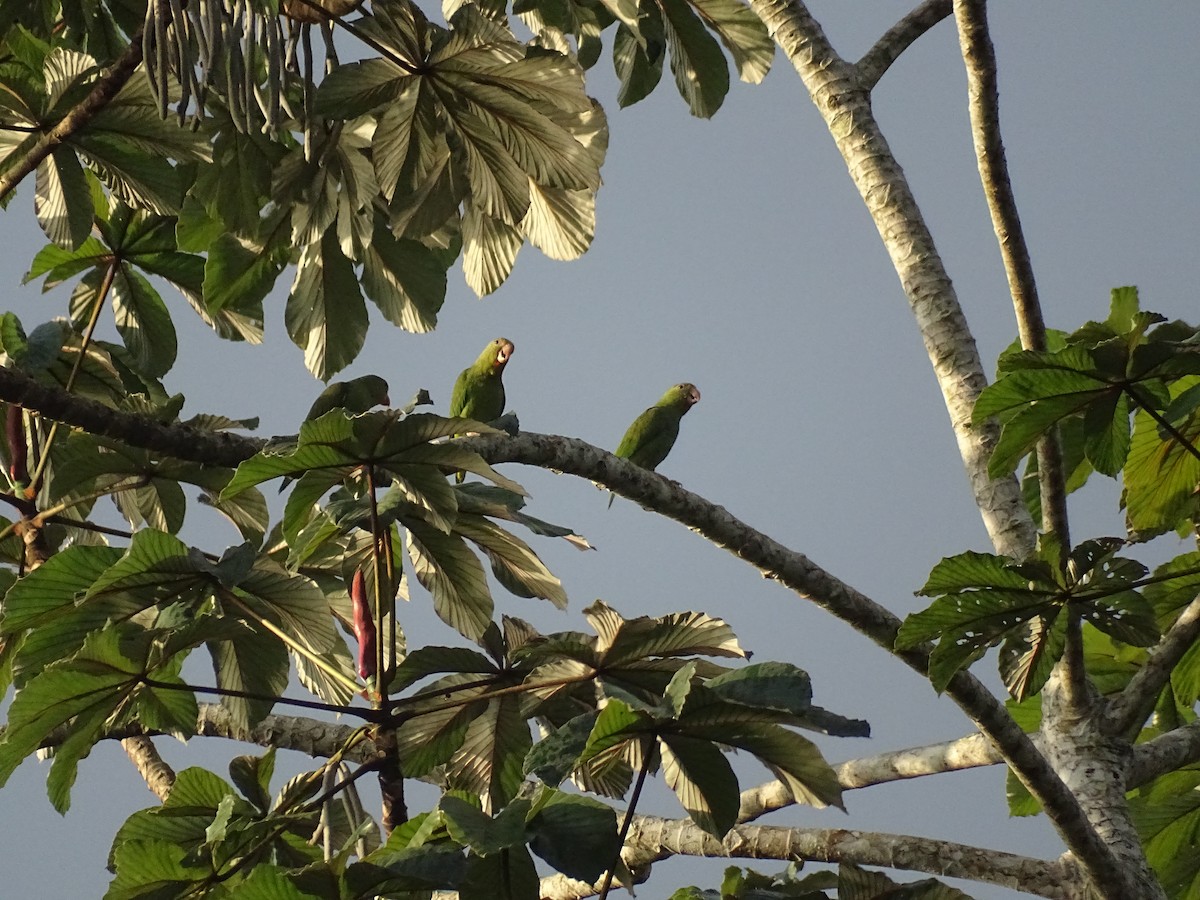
{"points": [[479, 389], [355, 396], [652, 435]]}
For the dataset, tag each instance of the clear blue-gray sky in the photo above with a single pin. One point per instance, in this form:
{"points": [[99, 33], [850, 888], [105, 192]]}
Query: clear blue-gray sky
{"points": [[735, 253]]}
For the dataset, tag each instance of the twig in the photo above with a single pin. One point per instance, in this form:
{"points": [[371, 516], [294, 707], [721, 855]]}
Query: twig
{"points": [[876, 61], [1130, 709]]}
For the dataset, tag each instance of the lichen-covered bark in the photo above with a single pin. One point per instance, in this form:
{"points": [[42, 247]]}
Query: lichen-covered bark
{"points": [[845, 106]]}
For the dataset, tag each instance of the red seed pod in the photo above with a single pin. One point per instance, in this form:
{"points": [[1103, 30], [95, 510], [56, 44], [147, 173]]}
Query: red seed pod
{"points": [[14, 430], [364, 625]]}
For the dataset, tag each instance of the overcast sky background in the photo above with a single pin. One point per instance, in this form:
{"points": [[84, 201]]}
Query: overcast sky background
{"points": [[736, 254]]}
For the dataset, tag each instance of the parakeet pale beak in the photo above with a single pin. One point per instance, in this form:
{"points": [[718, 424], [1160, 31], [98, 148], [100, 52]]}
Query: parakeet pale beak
{"points": [[694, 395], [505, 351]]}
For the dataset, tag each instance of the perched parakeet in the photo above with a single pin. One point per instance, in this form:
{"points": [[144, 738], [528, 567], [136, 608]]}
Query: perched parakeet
{"points": [[652, 435], [479, 389], [355, 396]]}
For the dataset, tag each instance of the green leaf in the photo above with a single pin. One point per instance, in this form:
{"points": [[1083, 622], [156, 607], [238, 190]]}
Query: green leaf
{"points": [[638, 71], [981, 599], [703, 781], [1161, 474], [1107, 429], [356, 88], [576, 835], [405, 280], [1167, 816], [252, 775], [514, 564], [793, 759], [59, 264], [509, 873], [860, 884], [293, 602], [490, 248], [1027, 659], [560, 222], [553, 757], [485, 836], [438, 660], [141, 180], [699, 66], [743, 34], [677, 634], [253, 662], [143, 321], [454, 577], [325, 314], [62, 201], [773, 685], [429, 739], [489, 761], [235, 274], [150, 867]]}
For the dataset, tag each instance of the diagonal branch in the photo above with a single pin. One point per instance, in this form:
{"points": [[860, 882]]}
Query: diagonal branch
{"points": [[1177, 748], [898, 38], [106, 88], [1131, 708]]}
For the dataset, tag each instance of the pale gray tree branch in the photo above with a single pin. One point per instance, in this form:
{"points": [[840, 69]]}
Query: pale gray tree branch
{"points": [[876, 61], [1134, 704], [970, 752], [654, 838], [107, 87], [1165, 753], [159, 776]]}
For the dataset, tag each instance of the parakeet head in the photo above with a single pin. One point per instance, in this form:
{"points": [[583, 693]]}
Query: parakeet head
{"points": [[497, 354], [377, 389], [684, 395]]}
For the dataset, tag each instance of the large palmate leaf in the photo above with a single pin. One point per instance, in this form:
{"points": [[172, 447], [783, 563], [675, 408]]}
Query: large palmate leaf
{"points": [[983, 599], [469, 126], [1105, 371], [103, 682]]}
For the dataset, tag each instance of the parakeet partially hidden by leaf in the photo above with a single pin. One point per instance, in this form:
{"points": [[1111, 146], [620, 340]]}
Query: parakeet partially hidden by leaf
{"points": [[652, 435], [355, 396], [479, 389]]}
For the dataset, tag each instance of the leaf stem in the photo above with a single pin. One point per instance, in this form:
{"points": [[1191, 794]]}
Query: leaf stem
{"points": [[1158, 417], [368, 715], [381, 675], [35, 480], [643, 771]]}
